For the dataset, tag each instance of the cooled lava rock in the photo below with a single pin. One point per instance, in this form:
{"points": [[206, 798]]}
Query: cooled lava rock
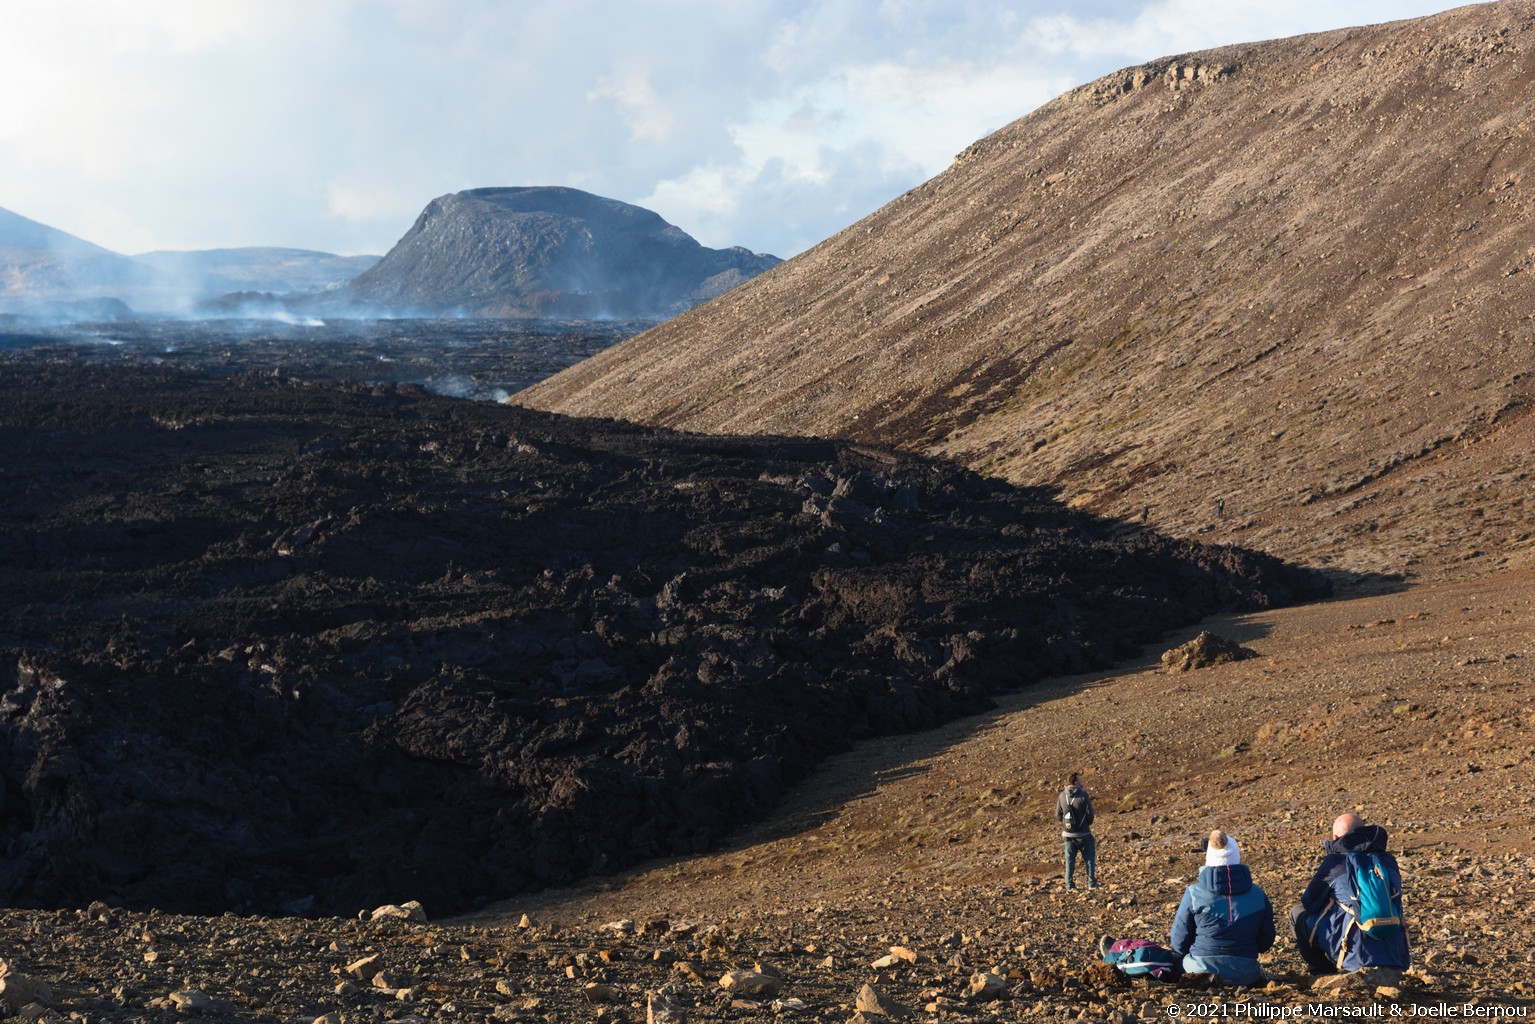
{"points": [[285, 646]]}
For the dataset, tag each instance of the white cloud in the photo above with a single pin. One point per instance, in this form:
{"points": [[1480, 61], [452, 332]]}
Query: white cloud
{"points": [[891, 124], [642, 110], [363, 202]]}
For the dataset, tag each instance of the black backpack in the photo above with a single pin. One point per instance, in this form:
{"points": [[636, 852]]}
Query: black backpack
{"points": [[1079, 812]]}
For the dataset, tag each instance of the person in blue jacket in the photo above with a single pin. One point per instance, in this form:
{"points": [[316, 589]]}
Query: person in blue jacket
{"points": [[1324, 922], [1224, 921]]}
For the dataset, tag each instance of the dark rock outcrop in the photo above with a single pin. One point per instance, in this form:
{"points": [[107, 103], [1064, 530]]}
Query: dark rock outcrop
{"points": [[556, 252], [275, 645], [1205, 650]]}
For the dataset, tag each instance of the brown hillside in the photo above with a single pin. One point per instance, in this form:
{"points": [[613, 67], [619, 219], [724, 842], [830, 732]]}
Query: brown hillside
{"points": [[1295, 275]]}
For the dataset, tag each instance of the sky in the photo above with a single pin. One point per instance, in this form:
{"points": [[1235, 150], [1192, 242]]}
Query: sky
{"points": [[329, 124]]}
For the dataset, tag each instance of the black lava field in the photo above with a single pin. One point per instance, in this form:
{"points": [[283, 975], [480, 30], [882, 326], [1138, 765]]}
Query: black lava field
{"points": [[285, 645], [462, 358]]}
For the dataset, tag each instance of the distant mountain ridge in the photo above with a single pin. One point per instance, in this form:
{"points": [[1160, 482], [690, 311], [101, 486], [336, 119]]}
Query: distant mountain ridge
{"points": [[257, 268], [18, 232], [48, 272], [489, 252], [41, 267], [549, 251], [1280, 292]]}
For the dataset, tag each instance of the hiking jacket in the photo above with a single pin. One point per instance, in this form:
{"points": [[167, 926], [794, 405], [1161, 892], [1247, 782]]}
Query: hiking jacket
{"points": [[1067, 795], [1330, 896], [1223, 914]]}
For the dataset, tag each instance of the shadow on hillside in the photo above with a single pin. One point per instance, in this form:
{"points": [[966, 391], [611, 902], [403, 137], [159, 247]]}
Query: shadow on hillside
{"points": [[859, 773], [844, 779], [1346, 584], [856, 774]]}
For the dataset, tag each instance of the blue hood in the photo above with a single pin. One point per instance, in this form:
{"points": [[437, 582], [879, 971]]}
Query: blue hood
{"points": [[1226, 879]]}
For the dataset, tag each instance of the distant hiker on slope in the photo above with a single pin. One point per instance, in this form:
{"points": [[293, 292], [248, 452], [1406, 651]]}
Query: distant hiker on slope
{"points": [[1224, 920], [1074, 810], [1350, 916]]}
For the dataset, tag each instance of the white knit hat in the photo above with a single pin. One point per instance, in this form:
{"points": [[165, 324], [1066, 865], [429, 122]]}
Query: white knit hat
{"points": [[1216, 856]]}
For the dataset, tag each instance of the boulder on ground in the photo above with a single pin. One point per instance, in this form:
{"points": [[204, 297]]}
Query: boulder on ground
{"points": [[366, 968], [1363, 980], [872, 1001], [751, 983], [596, 992], [985, 986], [1205, 650], [192, 1001], [412, 911], [662, 1008], [17, 990]]}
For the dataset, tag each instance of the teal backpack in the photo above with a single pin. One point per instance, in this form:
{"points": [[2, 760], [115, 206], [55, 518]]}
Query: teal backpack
{"points": [[1380, 907]]}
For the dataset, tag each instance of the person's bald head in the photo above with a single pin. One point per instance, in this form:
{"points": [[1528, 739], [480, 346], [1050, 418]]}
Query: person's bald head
{"points": [[1345, 823]]}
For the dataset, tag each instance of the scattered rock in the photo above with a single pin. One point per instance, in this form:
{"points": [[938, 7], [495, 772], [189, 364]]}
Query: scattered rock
{"points": [[871, 1000], [1105, 975], [595, 992], [985, 986], [192, 1001], [366, 968], [751, 983], [661, 1009]]}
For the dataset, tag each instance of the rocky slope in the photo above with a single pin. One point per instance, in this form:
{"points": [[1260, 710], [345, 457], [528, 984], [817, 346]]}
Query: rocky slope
{"points": [[549, 252], [1293, 275], [273, 645]]}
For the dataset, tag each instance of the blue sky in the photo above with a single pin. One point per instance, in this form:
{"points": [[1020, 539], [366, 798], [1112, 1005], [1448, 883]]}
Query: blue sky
{"points": [[329, 124]]}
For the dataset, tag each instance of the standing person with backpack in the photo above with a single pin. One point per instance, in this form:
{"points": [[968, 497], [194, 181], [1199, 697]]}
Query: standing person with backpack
{"points": [[1350, 915], [1074, 810]]}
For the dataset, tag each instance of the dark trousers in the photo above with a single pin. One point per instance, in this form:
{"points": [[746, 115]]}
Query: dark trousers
{"points": [[1087, 846], [1317, 960]]}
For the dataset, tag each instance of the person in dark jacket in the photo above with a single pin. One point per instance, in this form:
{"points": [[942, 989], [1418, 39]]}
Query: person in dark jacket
{"points": [[1324, 922], [1074, 810], [1224, 921]]}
